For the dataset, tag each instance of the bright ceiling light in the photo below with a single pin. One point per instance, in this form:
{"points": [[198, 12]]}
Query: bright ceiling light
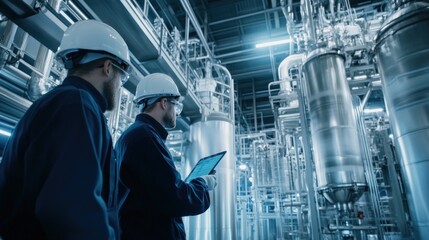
{"points": [[373, 110], [3, 132], [242, 167], [273, 43]]}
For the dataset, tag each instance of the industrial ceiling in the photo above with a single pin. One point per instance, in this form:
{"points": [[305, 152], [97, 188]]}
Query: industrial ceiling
{"points": [[227, 33]]}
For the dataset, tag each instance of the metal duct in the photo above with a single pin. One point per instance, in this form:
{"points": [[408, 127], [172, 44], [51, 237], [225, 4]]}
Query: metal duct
{"points": [[39, 20], [336, 149], [206, 138], [402, 54]]}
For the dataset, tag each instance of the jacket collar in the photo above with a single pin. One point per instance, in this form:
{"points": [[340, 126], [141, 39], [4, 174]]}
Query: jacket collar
{"points": [[150, 120], [83, 84]]}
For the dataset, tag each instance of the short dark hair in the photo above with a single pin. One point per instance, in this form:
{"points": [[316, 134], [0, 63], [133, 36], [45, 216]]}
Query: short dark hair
{"points": [[87, 67], [148, 108]]}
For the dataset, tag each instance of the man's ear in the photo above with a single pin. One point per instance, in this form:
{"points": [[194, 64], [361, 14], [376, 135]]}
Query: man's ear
{"points": [[163, 103], [107, 67]]}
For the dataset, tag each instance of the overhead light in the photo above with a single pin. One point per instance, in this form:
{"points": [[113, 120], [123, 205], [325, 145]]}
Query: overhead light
{"points": [[361, 77], [3, 132], [373, 110], [242, 167], [273, 43]]}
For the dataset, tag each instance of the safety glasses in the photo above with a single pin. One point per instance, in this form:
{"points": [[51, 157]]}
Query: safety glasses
{"points": [[124, 75], [178, 106]]}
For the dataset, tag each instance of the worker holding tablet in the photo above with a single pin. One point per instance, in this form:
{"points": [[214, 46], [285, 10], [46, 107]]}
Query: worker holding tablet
{"points": [[158, 198]]}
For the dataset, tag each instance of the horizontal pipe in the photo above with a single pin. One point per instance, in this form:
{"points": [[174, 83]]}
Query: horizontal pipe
{"points": [[357, 228]]}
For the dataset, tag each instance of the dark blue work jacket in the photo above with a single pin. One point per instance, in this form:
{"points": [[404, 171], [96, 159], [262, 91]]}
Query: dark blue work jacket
{"points": [[158, 197], [58, 176]]}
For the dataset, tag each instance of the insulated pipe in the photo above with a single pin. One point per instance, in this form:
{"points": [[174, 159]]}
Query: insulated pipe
{"points": [[285, 66], [288, 63]]}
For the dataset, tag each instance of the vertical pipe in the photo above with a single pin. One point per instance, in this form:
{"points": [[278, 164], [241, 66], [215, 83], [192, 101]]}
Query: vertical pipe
{"points": [[397, 201], [6, 40], [307, 16], [187, 55], [243, 221], [368, 165], [255, 117], [312, 203], [113, 122], [300, 189]]}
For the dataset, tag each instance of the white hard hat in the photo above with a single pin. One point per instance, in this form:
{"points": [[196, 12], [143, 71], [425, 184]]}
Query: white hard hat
{"points": [[95, 36], [156, 85]]}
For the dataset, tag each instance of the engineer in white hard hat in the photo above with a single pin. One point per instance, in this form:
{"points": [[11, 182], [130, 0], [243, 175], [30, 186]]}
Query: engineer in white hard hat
{"points": [[58, 173], [158, 197]]}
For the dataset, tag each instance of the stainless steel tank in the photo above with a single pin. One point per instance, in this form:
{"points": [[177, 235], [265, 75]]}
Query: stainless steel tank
{"points": [[206, 138], [402, 55], [336, 150]]}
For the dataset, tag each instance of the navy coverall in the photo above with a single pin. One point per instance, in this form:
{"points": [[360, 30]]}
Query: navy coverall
{"points": [[158, 197], [58, 176]]}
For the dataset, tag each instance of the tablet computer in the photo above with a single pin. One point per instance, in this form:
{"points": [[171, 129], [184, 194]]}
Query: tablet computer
{"points": [[204, 166]]}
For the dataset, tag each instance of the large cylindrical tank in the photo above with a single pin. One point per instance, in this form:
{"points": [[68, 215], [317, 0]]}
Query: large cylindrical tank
{"points": [[206, 138], [402, 55], [336, 150]]}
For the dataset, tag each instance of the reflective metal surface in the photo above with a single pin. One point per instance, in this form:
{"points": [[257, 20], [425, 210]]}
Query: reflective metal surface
{"points": [[402, 55], [219, 221], [337, 155]]}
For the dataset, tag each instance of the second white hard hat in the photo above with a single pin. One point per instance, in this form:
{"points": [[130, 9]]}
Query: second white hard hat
{"points": [[156, 85]]}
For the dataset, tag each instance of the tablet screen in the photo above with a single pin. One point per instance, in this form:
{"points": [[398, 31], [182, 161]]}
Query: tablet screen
{"points": [[205, 166]]}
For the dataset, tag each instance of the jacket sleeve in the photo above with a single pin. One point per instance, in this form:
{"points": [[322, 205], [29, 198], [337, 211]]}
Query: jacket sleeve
{"points": [[152, 168], [70, 205]]}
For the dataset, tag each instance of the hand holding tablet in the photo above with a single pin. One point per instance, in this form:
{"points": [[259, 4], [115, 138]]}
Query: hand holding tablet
{"points": [[205, 166]]}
